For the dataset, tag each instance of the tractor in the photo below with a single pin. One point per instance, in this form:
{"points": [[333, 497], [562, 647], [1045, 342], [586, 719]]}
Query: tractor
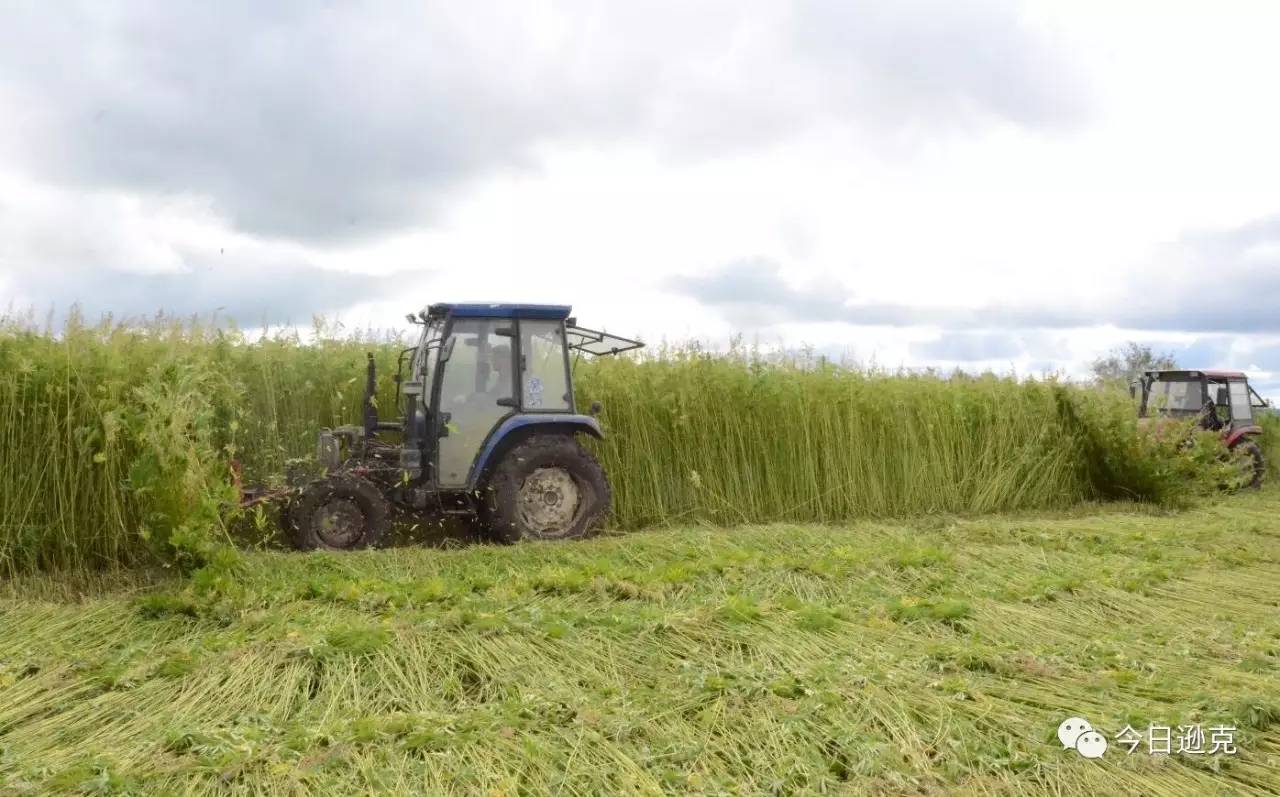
{"points": [[1220, 401], [488, 433]]}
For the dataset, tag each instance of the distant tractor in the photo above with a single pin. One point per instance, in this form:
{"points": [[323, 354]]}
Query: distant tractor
{"points": [[1221, 401], [488, 434]]}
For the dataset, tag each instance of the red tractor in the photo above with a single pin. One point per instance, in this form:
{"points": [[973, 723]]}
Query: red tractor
{"points": [[1222, 401]]}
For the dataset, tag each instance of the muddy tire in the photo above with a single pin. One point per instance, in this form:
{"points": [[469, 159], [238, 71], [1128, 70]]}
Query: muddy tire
{"points": [[1247, 456], [547, 487], [340, 513]]}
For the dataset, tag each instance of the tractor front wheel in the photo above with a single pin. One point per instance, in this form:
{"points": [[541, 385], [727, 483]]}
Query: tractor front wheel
{"points": [[340, 513], [1250, 467], [547, 487]]}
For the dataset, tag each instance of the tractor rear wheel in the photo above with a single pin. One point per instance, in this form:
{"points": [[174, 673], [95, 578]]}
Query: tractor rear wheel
{"points": [[340, 513], [1250, 467], [547, 487]]}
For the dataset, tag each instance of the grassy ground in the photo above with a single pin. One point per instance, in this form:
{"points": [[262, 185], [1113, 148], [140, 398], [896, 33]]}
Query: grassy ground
{"points": [[928, 657]]}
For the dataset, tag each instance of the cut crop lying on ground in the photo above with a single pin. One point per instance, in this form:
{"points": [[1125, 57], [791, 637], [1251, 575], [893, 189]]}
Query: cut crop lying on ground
{"points": [[120, 438], [927, 657]]}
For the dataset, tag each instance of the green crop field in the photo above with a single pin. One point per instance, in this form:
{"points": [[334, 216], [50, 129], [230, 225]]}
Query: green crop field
{"points": [[816, 579], [120, 438], [935, 656]]}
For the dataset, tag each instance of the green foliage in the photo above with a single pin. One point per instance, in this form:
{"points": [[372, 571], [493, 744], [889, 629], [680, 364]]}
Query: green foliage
{"points": [[355, 640], [1123, 457], [115, 437], [1270, 442], [733, 439], [160, 604], [123, 436], [740, 609], [1127, 362], [944, 610]]}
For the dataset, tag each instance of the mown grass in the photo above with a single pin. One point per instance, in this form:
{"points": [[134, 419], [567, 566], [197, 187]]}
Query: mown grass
{"points": [[934, 656], [118, 438]]}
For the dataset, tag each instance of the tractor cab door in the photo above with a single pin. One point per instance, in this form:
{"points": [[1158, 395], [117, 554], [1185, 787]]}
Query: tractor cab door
{"points": [[1241, 406], [416, 390], [476, 390], [544, 367]]}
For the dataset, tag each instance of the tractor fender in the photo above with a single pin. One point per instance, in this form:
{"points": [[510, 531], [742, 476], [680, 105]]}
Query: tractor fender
{"points": [[1239, 434], [518, 427]]}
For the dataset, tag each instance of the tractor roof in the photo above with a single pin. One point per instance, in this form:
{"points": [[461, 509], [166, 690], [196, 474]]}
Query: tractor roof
{"points": [[1196, 374], [556, 312], [1225, 374]]}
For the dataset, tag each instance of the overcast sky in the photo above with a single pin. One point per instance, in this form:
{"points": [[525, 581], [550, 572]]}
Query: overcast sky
{"points": [[1000, 185]]}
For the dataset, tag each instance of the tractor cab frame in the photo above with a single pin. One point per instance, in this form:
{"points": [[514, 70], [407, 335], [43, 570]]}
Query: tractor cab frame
{"points": [[487, 431]]}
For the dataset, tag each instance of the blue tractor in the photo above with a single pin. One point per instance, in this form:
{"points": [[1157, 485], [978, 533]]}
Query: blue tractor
{"points": [[489, 433]]}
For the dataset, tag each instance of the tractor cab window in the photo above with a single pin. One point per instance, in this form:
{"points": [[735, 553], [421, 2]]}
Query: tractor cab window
{"points": [[1176, 396], [544, 378], [1240, 409], [478, 374]]}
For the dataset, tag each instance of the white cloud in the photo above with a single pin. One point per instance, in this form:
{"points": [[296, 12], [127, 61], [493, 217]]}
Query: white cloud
{"points": [[969, 172]]}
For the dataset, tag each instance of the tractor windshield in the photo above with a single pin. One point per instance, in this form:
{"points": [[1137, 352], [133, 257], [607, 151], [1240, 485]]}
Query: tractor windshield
{"points": [[1176, 396]]}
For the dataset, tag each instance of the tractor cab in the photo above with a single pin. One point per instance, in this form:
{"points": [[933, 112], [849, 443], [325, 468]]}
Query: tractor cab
{"points": [[480, 371], [488, 429], [1220, 401], [1224, 398]]}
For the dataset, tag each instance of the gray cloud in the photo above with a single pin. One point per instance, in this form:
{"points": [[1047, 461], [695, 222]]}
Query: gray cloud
{"points": [[1266, 356], [752, 292], [1217, 282], [251, 295], [130, 258], [970, 347], [943, 62], [317, 122], [1204, 352]]}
